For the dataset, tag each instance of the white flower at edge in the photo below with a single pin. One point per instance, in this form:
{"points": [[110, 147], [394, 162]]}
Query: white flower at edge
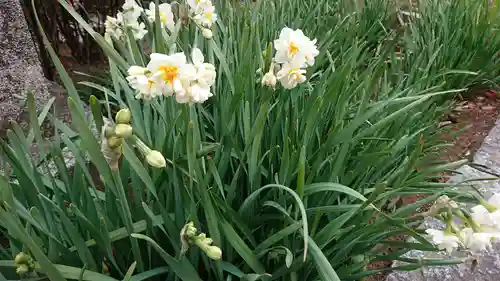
{"points": [[269, 79], [482, 216], [196, 93], [207, 17], [131, 11], [170, 71], [139, 80], [476, 241], [488, 217], [197, 6], [495, 200], [205, 72], [138, 29], [197, 80], [165, 12], [290, 75], [443, 241], [293, 45]]}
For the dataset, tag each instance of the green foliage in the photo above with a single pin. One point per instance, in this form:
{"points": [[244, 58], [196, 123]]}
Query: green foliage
{"points": [[290, 184]]}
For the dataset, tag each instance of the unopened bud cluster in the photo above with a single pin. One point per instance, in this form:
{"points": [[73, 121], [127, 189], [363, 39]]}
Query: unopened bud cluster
{"points": [[190, 236], [24, 264], [113, 135]]}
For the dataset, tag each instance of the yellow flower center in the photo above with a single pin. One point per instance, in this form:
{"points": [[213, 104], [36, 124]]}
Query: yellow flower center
{"points": [[294, 74], [163, 17], [170, 73], [293, 49]]}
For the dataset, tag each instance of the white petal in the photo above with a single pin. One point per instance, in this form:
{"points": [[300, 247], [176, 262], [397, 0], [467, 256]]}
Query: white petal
{"points": [[197, 56], [136, 70], [495, 200]]}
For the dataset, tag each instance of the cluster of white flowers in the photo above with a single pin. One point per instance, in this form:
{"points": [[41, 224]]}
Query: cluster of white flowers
{"points": [[475, 233], [294, 53], [203, 14], [128, 18], [172, 75]]}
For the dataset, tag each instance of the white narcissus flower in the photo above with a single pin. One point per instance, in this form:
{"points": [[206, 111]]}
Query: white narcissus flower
{"points": [[138, 29], [113, 28], [495, 201], [290, 75], [207, 17], [199, 93], [197, 6], [146, 87], [487, 215], [205, 72], [195, 93], [170, 71], [166, 15], [482, 216], [294, 46], [131, 11], [443, 240], [269, 79], [476, 241], [139, 79]]}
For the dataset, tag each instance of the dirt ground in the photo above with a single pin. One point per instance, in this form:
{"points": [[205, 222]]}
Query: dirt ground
{"points": [[476, 116]]}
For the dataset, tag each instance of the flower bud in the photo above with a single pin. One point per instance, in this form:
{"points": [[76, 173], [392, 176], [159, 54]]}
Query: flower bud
{"points": [[207, 33], [21, 258], [156, 159], [114, 142], [109, 132], [213, 252], [123, 130], [118, 150], [442, 200], [269, 80], [123, 116], [208, 241], [190, 230], [105, 268], [22, 269]]}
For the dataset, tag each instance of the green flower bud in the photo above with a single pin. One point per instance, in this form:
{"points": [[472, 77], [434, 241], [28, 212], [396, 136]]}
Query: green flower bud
{"points": [[213, 252], [156, 159], [22, 269], [109, 132], [123, 130], [204, 244], [207, 33], [190, 230], [114, 142], [21, 258], [105, 268], [123, 116], [118, 149]]}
